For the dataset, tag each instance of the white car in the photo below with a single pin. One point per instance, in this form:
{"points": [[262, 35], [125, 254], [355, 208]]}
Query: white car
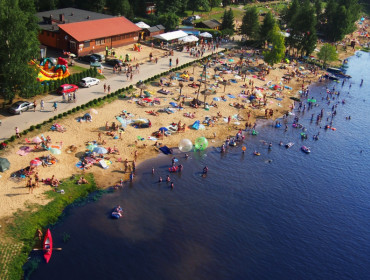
{"points": [[88, 82]]}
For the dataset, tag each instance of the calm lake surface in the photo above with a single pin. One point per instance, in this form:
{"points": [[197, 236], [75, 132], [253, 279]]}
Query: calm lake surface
{"points": [[282, 215]]}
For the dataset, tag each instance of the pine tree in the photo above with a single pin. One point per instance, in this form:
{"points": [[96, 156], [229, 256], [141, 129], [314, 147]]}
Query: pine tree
{"points": [[250, 24], [267, 25], [227, 24]]}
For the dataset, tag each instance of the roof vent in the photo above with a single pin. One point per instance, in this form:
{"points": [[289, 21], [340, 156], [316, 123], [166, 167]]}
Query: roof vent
{"points": [[88, 17]]}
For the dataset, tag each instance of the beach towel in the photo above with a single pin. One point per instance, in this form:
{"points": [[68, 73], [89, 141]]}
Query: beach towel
{"points": [[174, 104], [230, 96], [152, 138], [24, 150], [216, 98], [165, 150], [164, 92], [103, 164]]}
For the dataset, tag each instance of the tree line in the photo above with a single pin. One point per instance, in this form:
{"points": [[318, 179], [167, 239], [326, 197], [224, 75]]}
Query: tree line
{"points": [[301, 23]]}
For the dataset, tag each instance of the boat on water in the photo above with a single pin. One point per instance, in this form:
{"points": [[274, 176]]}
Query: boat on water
{"points": [[306, 149], [47, 246], [288, 145]]}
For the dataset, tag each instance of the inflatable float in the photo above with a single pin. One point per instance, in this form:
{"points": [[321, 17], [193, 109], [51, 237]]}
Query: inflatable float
{"points": [[48, 71]]}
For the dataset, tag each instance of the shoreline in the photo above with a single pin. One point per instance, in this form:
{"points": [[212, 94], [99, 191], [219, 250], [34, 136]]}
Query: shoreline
{"points": [[222, 131]]}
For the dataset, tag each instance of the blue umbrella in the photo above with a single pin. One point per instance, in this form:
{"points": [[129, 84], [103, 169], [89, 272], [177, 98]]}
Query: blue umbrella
{"points": [[163, 129], [100, 150]]}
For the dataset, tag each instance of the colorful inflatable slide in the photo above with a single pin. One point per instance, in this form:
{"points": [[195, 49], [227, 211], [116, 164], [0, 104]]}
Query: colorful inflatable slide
{"points": [[49, 71]]}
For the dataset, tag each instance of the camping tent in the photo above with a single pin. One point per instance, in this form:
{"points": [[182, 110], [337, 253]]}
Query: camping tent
{"points": [[170, 36], [4, 164]]}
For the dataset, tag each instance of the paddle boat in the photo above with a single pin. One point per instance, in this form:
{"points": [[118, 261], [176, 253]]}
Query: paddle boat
{"points": [[289, 144], [306, 149], [254, 132], [117, 212], [47, 246]]}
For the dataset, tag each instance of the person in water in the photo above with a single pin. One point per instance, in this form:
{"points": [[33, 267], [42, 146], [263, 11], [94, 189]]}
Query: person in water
{"points": [[172, 185], [168, 179], [160, 179], [186, 156], [205, 170], [153, 170]]}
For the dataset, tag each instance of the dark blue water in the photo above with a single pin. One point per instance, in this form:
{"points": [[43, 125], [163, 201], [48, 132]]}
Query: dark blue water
{"points": [[282, 215]]}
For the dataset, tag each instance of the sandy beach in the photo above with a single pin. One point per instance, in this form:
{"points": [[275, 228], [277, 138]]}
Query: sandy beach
{"points": [[14, 194]]}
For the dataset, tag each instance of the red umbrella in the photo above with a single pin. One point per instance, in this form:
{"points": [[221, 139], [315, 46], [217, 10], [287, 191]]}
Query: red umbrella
{"points": [[35, 162], [147, 99]]}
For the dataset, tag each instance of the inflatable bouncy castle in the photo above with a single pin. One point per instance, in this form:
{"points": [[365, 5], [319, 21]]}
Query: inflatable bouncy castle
{"points": [[50, 71]]}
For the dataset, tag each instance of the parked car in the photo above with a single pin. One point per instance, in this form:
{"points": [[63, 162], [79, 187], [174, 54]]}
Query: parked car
{"points": [[19, 107], [88, 82], [88, 58], [100, 57], [114, 62], [188, 21], [67, 88]]}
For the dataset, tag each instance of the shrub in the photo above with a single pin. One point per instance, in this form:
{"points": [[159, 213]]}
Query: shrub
{"points": [[83, 106], [11, 139], [95, 101], [24, 132], [99, 99], [32, 128], [55, 117], [38, 126], [50, 120], [64, 114], [69, 112], [131, 87], [74, 110], [78, 108]]}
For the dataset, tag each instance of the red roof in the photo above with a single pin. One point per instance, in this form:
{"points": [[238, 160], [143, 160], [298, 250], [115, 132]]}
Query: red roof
{"points": [[101, 28]]}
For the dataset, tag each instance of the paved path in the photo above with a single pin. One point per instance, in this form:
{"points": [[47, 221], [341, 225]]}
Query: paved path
{"points": [[84, 95]]}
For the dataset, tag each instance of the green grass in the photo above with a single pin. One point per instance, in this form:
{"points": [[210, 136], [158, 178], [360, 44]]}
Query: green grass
{"points": [[76, 69], [26, 222]]}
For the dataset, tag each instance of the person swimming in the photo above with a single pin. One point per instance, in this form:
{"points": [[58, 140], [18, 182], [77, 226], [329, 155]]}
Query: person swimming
{"points": [[186, 156], [168, 179], [172, 185], [160, 179], [270, 146], [205, 170]]}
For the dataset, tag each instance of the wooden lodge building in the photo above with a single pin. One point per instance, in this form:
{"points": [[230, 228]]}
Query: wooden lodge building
{"points": [[83, 32]]}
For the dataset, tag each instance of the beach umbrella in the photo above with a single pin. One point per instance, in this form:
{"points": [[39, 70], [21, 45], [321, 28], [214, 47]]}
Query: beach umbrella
{"points": [[100, 150], [35, 162], [4, 164], [147, 99], [55, 151], [37, 140], [93, 111], [163, 129], [231, 60], [205, 35]]}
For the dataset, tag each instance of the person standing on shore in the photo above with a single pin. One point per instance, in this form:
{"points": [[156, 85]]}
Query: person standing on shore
{"points": [[55, 106], [170, 62], [108, 89], [42, 104], [34, 105], [105, 87]]}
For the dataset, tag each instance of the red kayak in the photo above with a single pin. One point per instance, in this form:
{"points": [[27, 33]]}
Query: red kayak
{"points": [[47, 246]]}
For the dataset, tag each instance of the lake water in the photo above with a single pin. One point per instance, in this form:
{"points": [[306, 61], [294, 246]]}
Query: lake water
{"points": [[282, 215]]}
